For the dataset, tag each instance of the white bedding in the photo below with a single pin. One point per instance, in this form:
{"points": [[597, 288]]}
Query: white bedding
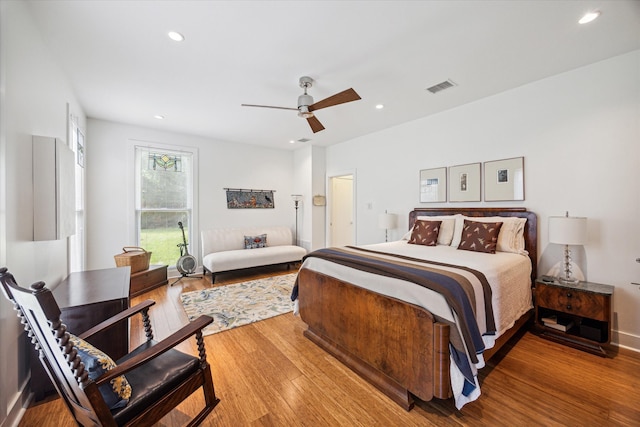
{"points": [[508, 274]]}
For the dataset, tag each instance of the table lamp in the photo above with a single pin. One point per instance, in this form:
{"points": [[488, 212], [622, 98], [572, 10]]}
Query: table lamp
{"points": [[567, 230], [386, 221]]}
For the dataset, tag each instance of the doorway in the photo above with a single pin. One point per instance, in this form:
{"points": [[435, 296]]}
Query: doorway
{"points": [[341, 212]]}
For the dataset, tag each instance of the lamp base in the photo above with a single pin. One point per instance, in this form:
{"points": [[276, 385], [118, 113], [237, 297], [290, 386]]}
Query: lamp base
{"points": [[568, 280], [568, 275]]}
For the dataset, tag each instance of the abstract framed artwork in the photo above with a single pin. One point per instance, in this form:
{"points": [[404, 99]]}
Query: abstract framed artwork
{"points": [[504, 180], [433, 185], [464, 183]]}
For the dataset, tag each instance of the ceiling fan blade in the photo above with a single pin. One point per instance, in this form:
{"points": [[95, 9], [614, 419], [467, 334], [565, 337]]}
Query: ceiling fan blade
{"points": [[339, 98], [315, 124], [268, 106]]}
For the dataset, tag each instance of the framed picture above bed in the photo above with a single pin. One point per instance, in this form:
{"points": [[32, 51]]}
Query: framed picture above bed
{"points": [[433, 185], [464, 183], [504, 180]]}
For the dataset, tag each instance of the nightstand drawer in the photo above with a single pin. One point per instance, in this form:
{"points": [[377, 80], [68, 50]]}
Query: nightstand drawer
{"points": [[573, 301]]}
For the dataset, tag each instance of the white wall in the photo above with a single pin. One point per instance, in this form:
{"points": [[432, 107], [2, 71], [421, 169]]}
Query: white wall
{"points": [[33, 101], [318, 187], [309, 180], [110, 207], [579, 133], [302, 184]]}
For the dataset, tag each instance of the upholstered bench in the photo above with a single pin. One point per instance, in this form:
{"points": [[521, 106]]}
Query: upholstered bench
{"points": [[228, 249]]}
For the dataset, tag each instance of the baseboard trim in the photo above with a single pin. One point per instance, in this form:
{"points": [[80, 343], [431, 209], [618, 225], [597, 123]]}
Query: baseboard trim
{"points": [[16, 410], [626, 341]]}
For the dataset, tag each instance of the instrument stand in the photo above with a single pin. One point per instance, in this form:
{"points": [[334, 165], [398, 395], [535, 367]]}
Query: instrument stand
{"points": [[190, 260], [187, 276]]}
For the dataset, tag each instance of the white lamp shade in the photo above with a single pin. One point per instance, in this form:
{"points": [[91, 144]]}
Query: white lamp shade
{"points": [[387, 220], [568, 230]]}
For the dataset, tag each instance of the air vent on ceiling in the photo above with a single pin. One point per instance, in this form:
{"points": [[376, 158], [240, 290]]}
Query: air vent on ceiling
{"points": [[441, 86], [304, 140]]}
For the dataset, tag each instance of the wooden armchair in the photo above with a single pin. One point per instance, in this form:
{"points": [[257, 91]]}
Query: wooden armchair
{"points": [[160, 377]]}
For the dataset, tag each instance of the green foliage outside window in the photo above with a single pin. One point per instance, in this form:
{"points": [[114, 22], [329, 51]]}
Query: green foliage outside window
{"points": [[164, 199]]}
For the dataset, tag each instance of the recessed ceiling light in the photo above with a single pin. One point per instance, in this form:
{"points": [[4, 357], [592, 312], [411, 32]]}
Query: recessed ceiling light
{"points": [[175, 36], [292, 141], [159, 117], [379, 107], [588, 17]]}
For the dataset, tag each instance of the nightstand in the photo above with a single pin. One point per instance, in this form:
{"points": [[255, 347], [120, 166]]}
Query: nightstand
{"points": [[583, 309]]}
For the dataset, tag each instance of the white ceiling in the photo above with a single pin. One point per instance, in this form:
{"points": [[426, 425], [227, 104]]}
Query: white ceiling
{"points": [[124, 68]]}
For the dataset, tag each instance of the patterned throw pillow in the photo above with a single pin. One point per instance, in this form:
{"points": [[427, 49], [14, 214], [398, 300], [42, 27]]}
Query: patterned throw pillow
{"points": [[425, 233], [117, 393], [254, 242], [480, 236]]}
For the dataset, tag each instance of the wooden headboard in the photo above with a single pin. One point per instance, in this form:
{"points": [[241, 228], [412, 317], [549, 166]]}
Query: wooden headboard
{"points": [[530, 229]]}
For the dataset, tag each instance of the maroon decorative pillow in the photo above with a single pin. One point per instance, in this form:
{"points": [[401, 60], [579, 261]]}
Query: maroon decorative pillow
{"points": [[480, 236], [425, 233]]}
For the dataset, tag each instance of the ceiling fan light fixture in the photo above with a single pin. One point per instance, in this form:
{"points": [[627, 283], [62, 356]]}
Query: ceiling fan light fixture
{"points": [[303, 111]]}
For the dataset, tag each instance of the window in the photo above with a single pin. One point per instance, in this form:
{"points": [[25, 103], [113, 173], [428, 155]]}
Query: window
{"points": [[164, 197]]}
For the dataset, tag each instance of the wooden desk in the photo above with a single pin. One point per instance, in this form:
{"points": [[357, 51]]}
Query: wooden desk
{"points": [[85, 299]]}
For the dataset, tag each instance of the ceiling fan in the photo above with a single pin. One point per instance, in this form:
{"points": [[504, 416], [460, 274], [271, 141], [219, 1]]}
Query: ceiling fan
{"points": [[306, 106]]}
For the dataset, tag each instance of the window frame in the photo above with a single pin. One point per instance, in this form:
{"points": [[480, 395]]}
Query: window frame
{"points": [[193, 229], [77, 243]]}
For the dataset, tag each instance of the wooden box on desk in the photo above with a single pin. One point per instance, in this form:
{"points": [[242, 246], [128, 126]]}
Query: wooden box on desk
{"points": [[146, 280]]}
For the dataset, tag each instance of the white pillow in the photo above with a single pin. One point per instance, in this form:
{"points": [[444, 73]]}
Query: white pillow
{"points": [[457, 230], [511, 237], [447, 228]]}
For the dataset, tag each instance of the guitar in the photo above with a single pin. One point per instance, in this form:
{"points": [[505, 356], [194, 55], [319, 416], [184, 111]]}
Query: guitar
{"points": [[187, 263]]}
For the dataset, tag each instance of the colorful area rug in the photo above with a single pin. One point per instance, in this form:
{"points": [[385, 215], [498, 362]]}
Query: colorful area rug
{"points": [[241, 303]]}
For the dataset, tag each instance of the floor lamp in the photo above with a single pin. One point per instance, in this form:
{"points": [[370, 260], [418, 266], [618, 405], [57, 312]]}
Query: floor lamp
{"points": [[297, 198]]}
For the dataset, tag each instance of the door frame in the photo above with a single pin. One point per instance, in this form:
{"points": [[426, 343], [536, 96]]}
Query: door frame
{"points": [[330, 202]]}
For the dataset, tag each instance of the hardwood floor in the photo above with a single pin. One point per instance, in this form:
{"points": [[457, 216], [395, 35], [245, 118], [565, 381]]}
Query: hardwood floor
{"points": [[268, 374]]}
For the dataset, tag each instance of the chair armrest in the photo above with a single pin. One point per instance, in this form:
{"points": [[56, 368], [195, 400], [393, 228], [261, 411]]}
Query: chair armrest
{"points": [[123, 315], [166, 344]]}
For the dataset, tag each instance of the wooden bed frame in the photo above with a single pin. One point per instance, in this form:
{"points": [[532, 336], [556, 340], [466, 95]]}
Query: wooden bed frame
{"points": [[398, 347]]}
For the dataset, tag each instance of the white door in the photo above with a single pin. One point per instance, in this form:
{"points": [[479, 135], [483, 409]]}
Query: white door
{"points": [[341, 218]]}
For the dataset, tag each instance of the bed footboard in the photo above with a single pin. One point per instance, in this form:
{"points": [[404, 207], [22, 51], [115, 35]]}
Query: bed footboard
{"points": [[396, 346]]}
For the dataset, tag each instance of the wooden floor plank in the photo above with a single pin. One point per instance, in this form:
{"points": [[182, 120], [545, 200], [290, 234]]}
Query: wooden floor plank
{"points": [[268, 374]]}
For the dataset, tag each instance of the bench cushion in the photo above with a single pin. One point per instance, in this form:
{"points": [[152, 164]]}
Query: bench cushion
{"points": [[246, 258]]}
